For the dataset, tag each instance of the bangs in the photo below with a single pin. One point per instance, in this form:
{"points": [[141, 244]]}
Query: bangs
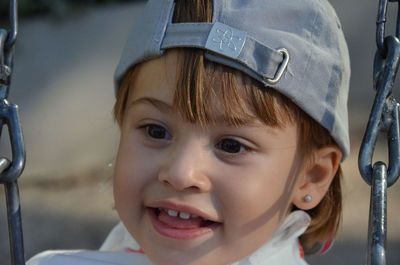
{"points": [[207, 92]]}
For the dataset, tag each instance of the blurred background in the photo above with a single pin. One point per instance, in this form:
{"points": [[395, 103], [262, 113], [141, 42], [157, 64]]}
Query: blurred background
{"points": [[66, 53]]}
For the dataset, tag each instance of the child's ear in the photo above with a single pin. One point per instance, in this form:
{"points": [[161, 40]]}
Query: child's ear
{"points": [[315, 178]]}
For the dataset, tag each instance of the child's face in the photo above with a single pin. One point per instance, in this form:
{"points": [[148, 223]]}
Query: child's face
{"points": [[230, 186]]}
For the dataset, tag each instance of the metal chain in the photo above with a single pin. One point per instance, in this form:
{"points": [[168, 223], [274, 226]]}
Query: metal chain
{"points": [[11, 169], [384, 119]]}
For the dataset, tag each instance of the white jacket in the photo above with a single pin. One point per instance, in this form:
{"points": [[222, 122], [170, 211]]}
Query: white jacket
{"points": [[121, 249]]}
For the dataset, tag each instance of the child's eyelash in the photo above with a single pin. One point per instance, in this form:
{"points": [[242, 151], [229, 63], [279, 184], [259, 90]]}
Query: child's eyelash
{"points": [[155, 131], [228, 145], [232, 146]]}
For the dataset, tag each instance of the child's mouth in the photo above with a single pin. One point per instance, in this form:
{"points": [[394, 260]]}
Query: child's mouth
{"points": [[180, 225]]}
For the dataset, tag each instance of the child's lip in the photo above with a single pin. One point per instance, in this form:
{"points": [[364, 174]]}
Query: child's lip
{"points": [[182, 208], [180, 233]]}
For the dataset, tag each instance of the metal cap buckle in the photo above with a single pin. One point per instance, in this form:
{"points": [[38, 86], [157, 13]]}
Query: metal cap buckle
{"points": [[281, 69]]}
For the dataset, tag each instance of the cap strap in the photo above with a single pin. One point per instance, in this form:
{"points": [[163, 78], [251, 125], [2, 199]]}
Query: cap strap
{"points": [[186, 35], [227, 41]]}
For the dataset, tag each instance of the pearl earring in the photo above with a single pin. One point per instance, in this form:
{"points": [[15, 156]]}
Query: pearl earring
{"points": [[308, 198]]}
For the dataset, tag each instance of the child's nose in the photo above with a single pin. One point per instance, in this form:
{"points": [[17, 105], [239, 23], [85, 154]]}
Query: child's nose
{"points": [[185, 169]]}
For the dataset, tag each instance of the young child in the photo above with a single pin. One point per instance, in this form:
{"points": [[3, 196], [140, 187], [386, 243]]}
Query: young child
{"points": [[233, 123]]}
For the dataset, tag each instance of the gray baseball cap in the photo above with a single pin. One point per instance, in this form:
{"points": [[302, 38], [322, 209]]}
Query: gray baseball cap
{"points": [[294, 46]]}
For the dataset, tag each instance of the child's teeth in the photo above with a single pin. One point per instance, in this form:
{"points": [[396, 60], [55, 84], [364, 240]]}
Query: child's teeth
{"points": [[184, 215], [172, 213]]}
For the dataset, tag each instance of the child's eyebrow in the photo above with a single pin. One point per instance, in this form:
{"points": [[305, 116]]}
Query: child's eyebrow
{"points": [[160, 105]]}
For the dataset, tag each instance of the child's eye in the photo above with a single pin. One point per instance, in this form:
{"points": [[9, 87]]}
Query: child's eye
{"points": [[231, 146], [156, 131]]}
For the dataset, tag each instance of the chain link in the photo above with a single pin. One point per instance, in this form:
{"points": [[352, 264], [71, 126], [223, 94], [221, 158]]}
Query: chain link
{"points": [[384, 119], [8, 111], [11, 169], [13, 32], [381, 23], [7, 42], [384, 116], [5, 70]]}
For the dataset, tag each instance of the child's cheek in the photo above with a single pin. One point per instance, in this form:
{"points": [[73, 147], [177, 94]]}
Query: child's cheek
{"points": [[269, 180], [126, 176], [136, 167]]}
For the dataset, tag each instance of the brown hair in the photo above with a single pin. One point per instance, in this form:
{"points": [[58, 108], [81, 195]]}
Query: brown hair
{"points": [[201, 83]]}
